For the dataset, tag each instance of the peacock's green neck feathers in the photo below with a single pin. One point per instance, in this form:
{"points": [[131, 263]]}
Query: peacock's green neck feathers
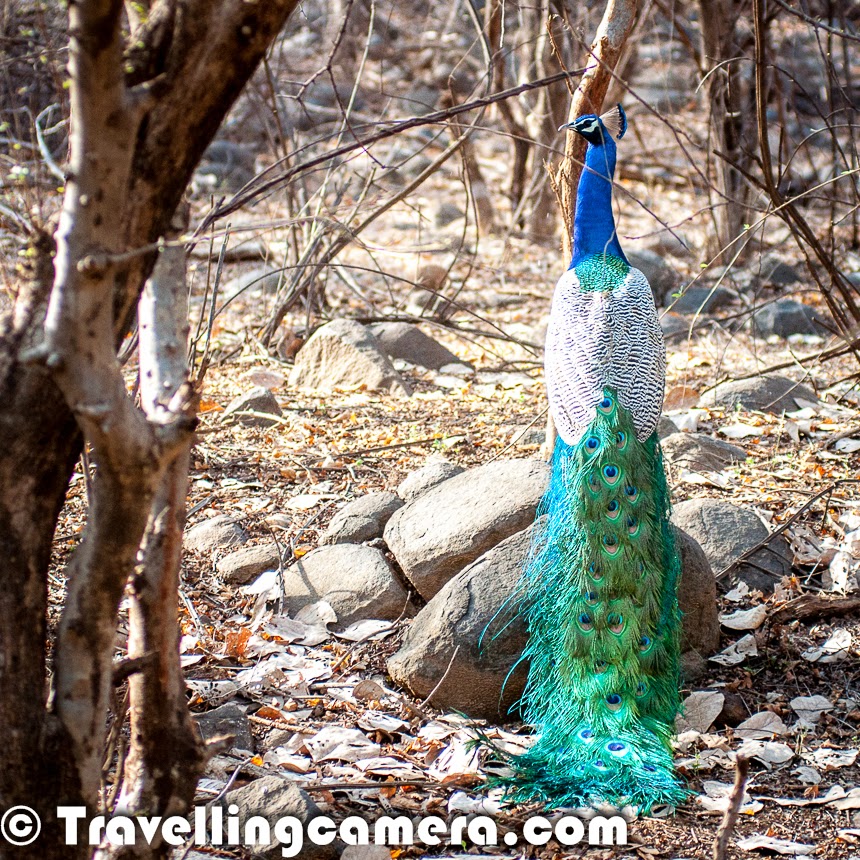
{"points": [[598, 595], [601, 273]]}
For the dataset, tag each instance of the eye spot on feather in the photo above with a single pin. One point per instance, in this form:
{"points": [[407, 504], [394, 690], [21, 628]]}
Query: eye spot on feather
{"points": [[601, 666], [614, 702], [615, 622], [641, 689], [605, 405], [593, 485], [632, 526], [585, 622], [617, 748], [600, 764], [592, 443], [595, 572], [611, 474], [592, 598], [613, 509], [650, 768], [610, 544], [586, 735], [645, 644], [631, 492], [621, 440]]}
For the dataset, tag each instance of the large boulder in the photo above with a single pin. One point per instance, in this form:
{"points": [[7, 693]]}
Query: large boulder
{"points": [[437, 534], [408, 343], [725, 531], [698, 453], [345, 354], [356, 580], [474, 616], [772, 393], [362, 519]]}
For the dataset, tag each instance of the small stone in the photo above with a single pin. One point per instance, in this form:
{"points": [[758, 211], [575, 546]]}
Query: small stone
{"points": [[217, 532], [666, 427], [356, 580], [259, 400], [229, 719], [697, 452], [778, 272], [725, 531], [426, 478], [362, 519], [699, 300], [274, 798], [407, 342], [446, 213], [437, 534], [734, 710], [243, 565], [257, 279], [675, 327], [775, 394], [345, 354], [663, 279], [785, 317]]}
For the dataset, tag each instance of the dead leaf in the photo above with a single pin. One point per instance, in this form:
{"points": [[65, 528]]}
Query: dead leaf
{"points": [[761, 726], [770, 843], [700, 709], [745, 619], [737, 652]]}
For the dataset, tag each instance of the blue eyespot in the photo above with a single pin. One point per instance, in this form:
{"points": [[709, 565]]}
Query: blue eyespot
{"points": [[613, 506], [586, 734], [595, 572], [632, 525], [631, 492], [615, 622], [610, 542], [641, 689], [592, 598], [605, 405], [644, 643], [616, 746], [601, 666], [621, 439], [614, 701], [600, 765], [585, 621], [650, 768], [592, 443], [610, 472]]}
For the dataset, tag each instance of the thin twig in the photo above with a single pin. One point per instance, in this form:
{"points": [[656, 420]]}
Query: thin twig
{"points": [[736, 798]]}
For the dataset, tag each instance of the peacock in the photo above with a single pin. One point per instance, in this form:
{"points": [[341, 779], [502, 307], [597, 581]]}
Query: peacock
{"points": [[598, 591]]}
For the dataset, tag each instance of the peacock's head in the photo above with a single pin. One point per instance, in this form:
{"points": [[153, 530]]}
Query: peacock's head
{"points": [[596, 129]]}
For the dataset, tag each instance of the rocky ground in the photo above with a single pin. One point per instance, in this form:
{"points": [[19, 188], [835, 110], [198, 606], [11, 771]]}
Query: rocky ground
{"points": [[362, 492]]}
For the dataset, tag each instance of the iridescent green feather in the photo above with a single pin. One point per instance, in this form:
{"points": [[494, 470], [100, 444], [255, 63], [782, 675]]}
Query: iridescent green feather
{"points": [[599, 597]]}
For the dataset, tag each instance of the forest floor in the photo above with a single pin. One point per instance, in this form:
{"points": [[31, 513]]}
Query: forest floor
{"points": [[284, 483]]}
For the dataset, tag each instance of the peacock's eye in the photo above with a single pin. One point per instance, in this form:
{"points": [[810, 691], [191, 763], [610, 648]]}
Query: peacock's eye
{"points": [[585, 621], [650, 768], [592, 484], [641, 689], [621, 439], [592, 598], [615, 622], [595, 572], [610, 542], [616, 746], [599, 764], [632, 524], [644, 643], [601, 666], [610, 472], [613, 700], [605, 405], [631, 492], [586, 734], [592, 443]]}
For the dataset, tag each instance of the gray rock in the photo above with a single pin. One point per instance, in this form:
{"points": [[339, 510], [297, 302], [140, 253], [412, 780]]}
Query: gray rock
{"points": [[778, 272], [663, 278], [243, 565], [274, 797], [258, 399], [675, 327], [697, 452], [785, 317], [438, 533], [226, 165], [666, 427], [699, 300], [362, 519], [775, 394], [725, 531], [408, 343], [344, 353], [257, 279], [447, 213], [480, 682], [229, 719], [356, 580], [427, 477], [215, 533]]}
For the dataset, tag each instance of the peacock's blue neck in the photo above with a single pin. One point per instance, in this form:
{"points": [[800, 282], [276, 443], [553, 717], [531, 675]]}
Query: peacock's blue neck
{"points": [[594, 223]]}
